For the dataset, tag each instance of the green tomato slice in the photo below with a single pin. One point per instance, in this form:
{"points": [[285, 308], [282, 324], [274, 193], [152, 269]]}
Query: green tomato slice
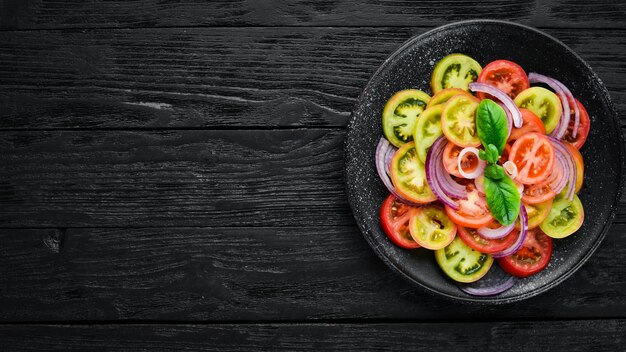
{"points": [[427, 130], [454, 71], [443, 96], [400, 115], [458, 120], [462, 263], [565, 217], [431, 228], [408, 175], [543, 103]]}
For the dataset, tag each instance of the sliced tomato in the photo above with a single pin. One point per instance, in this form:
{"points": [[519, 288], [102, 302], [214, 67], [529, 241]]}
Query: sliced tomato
{"points": [[462, 263], [543, 103], [565, 217], [537, 193], [444, 95], [583, 126], [533, 256], [458, 120], [431, 228], [472, 238], [454, 71], [533, 154], [394, 219], [537, 213], [408, 175], [451, 160], [580, 166], [400, 115], [473, 211], [508, 76], [530, 123]]}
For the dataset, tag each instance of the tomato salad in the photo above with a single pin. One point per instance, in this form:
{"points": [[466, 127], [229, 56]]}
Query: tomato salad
{"points": [[486, 168]]}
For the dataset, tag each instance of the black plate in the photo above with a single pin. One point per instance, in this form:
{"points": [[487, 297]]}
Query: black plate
{"points": [[486, 40]]}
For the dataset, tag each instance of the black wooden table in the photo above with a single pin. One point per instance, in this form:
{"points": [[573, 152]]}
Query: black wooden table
{"points": [[171, 177]]}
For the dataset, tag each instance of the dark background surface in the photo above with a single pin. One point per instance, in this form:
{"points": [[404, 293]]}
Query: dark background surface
{"points": [[171, 177]]}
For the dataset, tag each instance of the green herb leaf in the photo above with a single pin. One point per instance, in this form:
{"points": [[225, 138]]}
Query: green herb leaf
{"points": [[494, 171], [493, 153], [483, 155], [491, 125], [503, 199]]}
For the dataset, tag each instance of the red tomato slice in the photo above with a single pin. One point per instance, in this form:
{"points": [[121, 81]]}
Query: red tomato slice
{"points": [[533, 154], [530, 123], [537, 193], [473, 211], [508, 76], [394, 218], [451, 158], [484, 245], [533, 257], [583, 126]]}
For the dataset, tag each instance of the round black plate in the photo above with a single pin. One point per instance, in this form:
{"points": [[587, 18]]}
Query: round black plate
{"points": [[486, 40]]}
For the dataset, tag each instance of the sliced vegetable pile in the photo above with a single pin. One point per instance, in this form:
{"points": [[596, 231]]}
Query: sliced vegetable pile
{"points": [[481, 177]]}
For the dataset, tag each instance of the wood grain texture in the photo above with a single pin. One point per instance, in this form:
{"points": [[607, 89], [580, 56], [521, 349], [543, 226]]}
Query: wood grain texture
{"points": [[256, 274], [216, 77], [290, 177], [172, 178], [41, 14], [594, 335]]}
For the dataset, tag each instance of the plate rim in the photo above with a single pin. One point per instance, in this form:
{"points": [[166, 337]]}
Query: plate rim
{"points": [[488, 299]]}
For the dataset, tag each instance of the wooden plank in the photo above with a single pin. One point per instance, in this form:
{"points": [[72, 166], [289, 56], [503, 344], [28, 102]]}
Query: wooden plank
{"points": [[211, 77], [172, 178], [594, 335], [290, 177], [40, 14], [256, 274]]}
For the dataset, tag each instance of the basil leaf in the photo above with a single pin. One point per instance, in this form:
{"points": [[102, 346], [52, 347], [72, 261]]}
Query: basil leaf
{"points": [[483, 155], [491, 124], [503, 199], [493, 153], [494, 171]]}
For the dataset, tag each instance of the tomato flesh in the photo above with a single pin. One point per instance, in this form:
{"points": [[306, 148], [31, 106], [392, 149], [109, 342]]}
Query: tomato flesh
{"points": [[458, 121], [565, 217], [427, 130], [400, 115], [444, 95], [537, 193], [537, 213], [454, 71], [580, 166], [462, 263], [544, 103], [451, 153], [473, 211], [472, 238], [530, 123], [408, 175], [431, 228], [506, 75], [394, 218], [533, 154], [531, 258]]}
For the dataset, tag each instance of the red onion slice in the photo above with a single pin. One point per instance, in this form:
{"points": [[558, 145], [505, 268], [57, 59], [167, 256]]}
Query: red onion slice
{"points": [[509, 120], [564, 94], [523, 216], [494, 234], [434, 166], [559, 182], [479, 168], [503, 97], [381, 151], [570, 166], [496, 281]]}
